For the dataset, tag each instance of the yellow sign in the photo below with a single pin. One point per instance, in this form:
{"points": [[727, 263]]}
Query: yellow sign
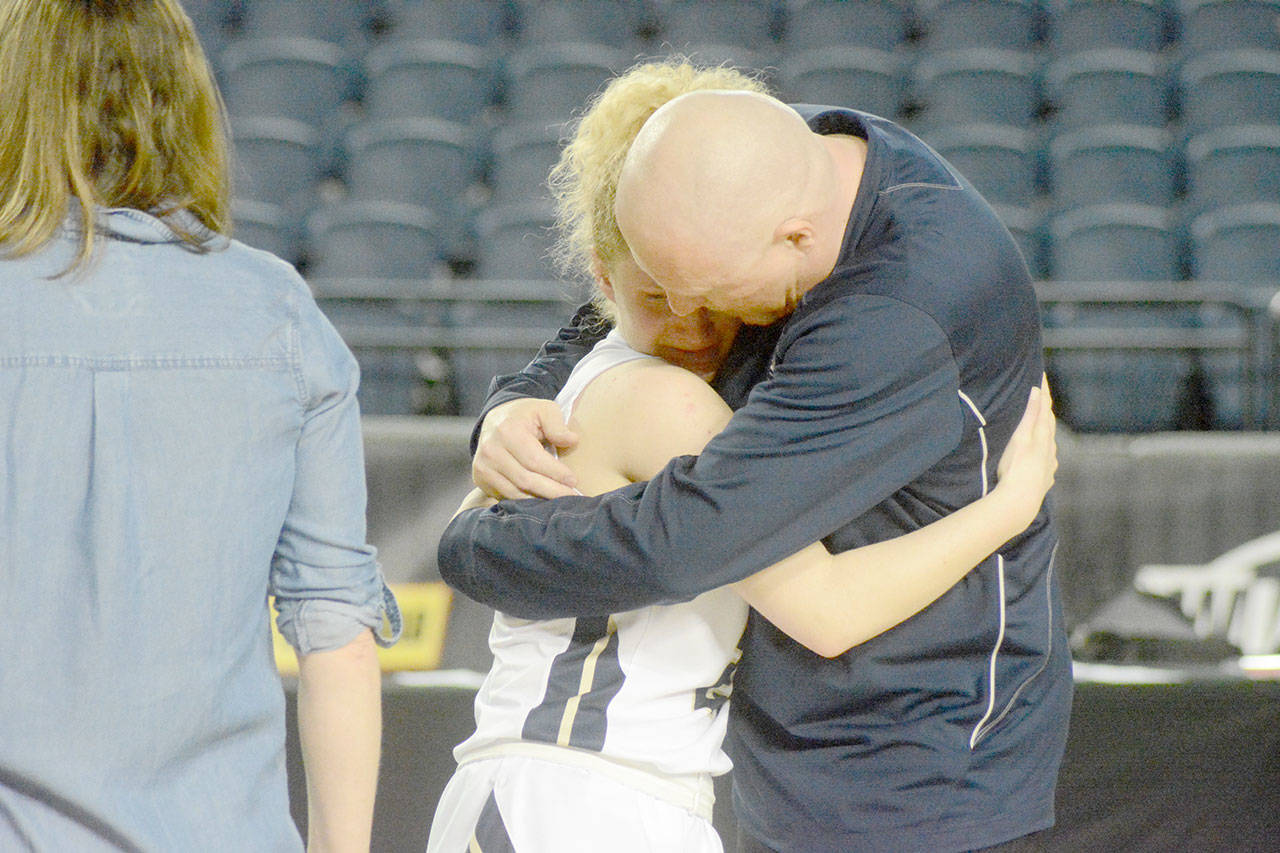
{"points": [[425, 608]]}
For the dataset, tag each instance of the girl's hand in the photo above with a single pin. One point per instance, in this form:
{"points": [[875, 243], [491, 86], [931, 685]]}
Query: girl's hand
{"points": [[1026, 468]]}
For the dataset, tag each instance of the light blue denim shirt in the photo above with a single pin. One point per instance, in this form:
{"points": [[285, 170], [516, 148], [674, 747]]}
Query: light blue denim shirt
{"points": [[179, 437]]}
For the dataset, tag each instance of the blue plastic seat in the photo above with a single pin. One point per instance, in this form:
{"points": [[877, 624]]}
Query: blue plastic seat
{"points": [[1240, 243], [445, 79], [479, 22], [616, 23], [1002, 162], [1026, 224], [1115, 242], [267, 226], [1121, 390], [378, 239], [978, 85], [277, 160], [338, 21], [554, 81], [513, 241], [1082, 25], [520, 159], [757, 62], [745, 23], [1210, 25], [429, 163], [861, 77], [1113, 86], [1114, 163], [297, 78], [211, 18], [961, 24], [1230, 87], [879, 24], [1233, 165]]}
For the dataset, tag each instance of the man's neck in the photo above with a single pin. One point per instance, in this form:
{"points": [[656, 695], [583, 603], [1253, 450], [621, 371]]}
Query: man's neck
{"points": [[849, 157]]}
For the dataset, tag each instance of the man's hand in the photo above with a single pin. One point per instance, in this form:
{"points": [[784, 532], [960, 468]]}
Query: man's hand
{"points": [[512, 459]]}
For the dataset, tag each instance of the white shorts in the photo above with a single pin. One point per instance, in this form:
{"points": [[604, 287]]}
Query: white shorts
{"points": [[529, 805]]}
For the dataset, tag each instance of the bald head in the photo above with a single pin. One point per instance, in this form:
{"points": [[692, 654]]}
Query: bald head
{"points": [[712, 182]]}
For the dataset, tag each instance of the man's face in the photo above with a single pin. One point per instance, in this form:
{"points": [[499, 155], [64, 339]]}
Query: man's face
{"points": [[699, 341], [758, 291]]}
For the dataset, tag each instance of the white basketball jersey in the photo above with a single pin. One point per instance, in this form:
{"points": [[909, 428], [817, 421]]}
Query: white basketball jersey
{"points": [[645, 689]]}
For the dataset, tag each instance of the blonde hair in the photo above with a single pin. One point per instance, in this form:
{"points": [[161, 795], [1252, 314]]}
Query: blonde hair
{"points": [[584, 182], [111, 102]]}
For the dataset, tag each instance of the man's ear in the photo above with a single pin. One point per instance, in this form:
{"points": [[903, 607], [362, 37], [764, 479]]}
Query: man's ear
{"points": [[797, 233]]}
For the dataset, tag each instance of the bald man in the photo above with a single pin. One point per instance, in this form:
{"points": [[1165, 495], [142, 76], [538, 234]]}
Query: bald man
{"points": [[902, 335]]}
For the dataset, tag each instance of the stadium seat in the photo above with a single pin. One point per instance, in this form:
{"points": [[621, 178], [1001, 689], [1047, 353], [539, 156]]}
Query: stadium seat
{"points": [[513, 241], [378, 239], [520, 159], [745, 23], [1240, 243], [608, 22], [277, 160], [211, 19], [865, 78], [1026, 224], [758, 63], [1230, 87], [1080, 25], [1233, 165], [1003, 162], [541, 305], [297, 78], [961, 24], [497, 327], [551, 82], [445, 79], [339, 21], [478, 22], [1115, 242], [1114, 86], [879, 24], [1124, 386], [1113, 163], [1210, 25], [978, 85], [266, 226], [430, 163]]}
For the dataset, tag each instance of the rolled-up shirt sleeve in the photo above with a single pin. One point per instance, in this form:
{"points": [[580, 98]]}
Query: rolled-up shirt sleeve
{"points": [[326, 580], [862, 399]]}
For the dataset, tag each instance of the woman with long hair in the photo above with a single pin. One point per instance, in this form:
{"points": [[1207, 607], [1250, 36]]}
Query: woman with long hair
{"points": [[179, 438]]}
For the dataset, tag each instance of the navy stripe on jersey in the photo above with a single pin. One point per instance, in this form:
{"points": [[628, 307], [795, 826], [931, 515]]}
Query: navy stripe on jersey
{"points": [[491, 834], [583, 679]]}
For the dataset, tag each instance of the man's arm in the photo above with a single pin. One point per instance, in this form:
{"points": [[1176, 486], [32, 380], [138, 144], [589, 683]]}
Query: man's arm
{"points": [[850, 416], [340, 729]]}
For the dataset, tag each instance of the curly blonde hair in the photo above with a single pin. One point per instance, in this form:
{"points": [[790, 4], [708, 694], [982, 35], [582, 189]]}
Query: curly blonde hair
{"points": [[584, 182]]}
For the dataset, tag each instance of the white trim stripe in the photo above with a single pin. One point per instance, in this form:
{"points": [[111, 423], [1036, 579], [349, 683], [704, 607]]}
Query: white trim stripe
{"points": [[995, 652], [991, 670]]}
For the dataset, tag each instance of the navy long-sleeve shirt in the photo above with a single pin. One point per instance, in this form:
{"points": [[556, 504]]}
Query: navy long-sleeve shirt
{"points": [[883, 405]]}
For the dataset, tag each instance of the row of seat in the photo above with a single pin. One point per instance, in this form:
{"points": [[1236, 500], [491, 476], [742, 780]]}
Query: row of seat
{"points": [[1059, 25], [1099, 242], [437, 163], [1121, 358], [311, 81]]}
